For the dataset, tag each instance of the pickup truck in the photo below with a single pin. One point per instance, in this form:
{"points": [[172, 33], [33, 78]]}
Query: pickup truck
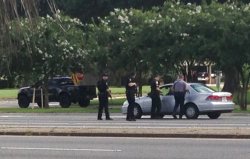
{"points": [[61, 89]]}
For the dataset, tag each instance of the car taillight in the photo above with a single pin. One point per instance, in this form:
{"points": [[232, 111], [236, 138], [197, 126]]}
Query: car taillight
{"points": [[230, 98], [214, 98]]}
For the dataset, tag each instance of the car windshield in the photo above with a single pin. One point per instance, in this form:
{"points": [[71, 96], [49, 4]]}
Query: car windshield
{"points": [[200, 88]]}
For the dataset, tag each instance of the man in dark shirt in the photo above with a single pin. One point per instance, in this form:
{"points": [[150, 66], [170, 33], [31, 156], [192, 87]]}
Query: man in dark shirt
{"points": [[155, 95], [103, 95], [130, 94]]}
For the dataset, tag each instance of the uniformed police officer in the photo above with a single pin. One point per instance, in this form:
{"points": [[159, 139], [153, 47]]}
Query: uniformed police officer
{"points": [[131, 88], [155, 95], [103, 95], [180, 89]]}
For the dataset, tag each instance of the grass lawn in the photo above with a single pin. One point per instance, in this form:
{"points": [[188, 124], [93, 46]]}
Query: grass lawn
{"points": [[121, 90], [116, 91], [117, 101], [8, 93]]}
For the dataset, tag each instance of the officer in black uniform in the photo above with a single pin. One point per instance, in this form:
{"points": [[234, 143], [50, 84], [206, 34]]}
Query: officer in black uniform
{"points": [[103, 95], [155, 95], [131, 89]]}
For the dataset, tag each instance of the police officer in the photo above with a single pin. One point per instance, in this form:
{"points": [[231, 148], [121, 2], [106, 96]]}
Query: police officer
{"points": [[155, 95], [130, 94], [103, 95], [180, 89]]}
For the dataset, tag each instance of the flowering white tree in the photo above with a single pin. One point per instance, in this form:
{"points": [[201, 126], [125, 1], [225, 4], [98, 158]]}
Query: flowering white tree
{"points": [[49, 46], [175, 34]]}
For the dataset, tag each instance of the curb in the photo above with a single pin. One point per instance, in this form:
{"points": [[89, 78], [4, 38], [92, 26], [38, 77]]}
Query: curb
{"points": [[194, 132]]}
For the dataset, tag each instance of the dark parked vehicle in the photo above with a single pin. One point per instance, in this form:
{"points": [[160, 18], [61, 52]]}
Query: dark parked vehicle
{"points": [[61, 89]]}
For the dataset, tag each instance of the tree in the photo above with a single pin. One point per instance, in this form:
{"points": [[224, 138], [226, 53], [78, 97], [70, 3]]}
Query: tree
{"points": [[51, 46], [13, 10]]}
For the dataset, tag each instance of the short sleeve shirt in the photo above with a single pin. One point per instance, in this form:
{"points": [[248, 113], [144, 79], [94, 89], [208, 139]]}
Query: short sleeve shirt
{"points": [[179, 86]]}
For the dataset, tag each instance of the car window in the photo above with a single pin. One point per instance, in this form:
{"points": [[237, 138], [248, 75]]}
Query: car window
{"points": [[201, 88]]}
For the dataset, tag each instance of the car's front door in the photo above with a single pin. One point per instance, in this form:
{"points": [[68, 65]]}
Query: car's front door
{"points": [[167, 100], [168, 103]]}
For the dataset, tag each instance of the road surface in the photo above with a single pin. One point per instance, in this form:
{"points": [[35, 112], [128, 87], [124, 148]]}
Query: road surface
{"points": [[13, 147], [90, 120]]}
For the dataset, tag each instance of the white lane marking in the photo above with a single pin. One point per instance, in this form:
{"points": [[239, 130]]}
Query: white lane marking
{"points": [[60, 149]]}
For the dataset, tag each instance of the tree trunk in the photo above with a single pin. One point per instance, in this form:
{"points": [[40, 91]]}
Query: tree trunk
{"points": [[46, 96], [243, 94], [246, 90], [231, 82], [45, 93]]}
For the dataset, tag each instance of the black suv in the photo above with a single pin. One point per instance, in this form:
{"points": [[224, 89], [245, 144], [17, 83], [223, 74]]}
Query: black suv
{"points": [[61, 89]]}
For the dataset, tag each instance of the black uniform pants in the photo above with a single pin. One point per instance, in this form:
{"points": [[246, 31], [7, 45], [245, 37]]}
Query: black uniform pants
{"points": [[179, 101], [103, 104], [156, 105], [131, 104]]}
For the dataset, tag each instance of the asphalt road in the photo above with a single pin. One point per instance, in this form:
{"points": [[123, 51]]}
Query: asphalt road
{"points": [[89, 120], [13, 147], [84, 124]]}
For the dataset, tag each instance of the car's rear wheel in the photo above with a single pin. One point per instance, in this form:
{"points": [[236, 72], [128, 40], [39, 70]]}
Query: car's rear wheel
{"points": [[191, 111], [23, 101], [214, 115], [84, 102], [64, 100], [137, 111]]}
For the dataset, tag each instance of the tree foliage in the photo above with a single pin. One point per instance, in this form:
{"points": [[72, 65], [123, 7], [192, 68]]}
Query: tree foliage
{"points": [[174, 36], [143, 36], [50, 45]]}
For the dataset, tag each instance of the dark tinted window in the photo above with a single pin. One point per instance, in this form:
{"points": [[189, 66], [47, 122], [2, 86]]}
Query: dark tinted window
{"points": [[65, 81], [60, 82]]}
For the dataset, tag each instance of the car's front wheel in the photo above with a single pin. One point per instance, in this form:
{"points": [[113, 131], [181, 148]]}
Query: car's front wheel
{"points": [[64, 100], [137, 111], [23, 101], [214, 115], [191, 111]]}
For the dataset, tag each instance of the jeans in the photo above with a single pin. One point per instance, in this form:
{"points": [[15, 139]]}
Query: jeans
{"points": [[179, 101]]}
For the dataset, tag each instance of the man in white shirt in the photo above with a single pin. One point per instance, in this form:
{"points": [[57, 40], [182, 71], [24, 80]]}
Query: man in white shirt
{"points": [[180, 89]]}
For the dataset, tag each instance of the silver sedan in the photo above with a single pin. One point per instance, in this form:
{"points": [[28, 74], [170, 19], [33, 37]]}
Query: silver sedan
{"points": [[200, 100]]}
